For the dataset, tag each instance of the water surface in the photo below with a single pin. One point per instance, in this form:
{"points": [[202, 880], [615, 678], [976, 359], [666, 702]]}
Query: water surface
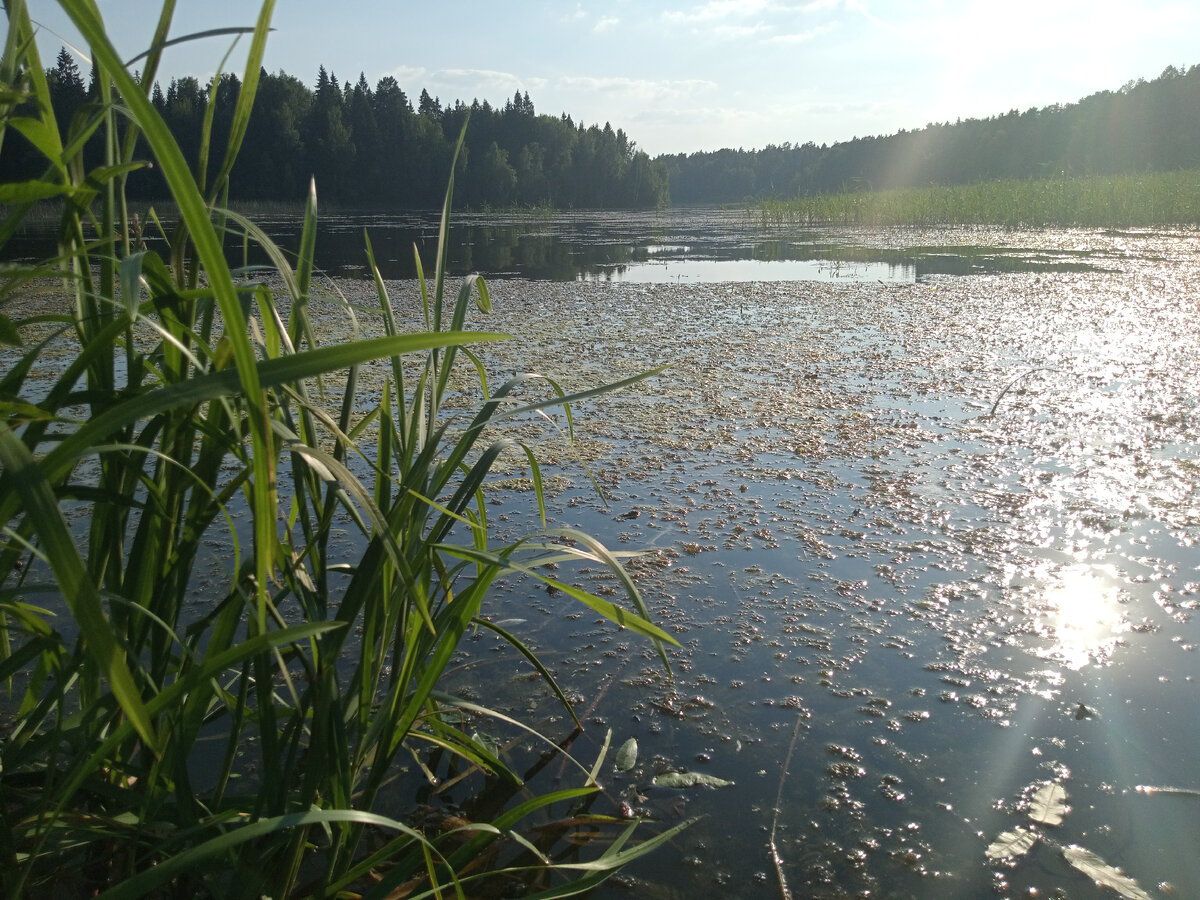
{"points": [[920, 507], [931, 543]]}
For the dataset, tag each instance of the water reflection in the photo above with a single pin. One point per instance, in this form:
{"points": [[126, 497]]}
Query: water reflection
{"points": [[1082, 616], [955, 602], [694, 271], [856, 540], [692, 245]]}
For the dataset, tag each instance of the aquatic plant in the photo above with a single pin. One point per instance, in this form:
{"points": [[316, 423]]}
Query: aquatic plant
{"points": [[1136, 199], [202, 695]]}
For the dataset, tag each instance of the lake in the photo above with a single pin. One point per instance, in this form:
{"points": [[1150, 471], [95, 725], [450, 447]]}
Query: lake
{"points": [[919, 505]]}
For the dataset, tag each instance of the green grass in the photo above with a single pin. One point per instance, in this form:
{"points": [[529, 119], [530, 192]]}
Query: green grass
{"points": [[1138, 200], [235, 741]]}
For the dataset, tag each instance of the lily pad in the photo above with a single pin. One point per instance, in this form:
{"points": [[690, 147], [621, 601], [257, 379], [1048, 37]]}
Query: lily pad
{"points": [[1013, 843], [1103, 874], [689, 779], [626, 757], [1049, 805]]}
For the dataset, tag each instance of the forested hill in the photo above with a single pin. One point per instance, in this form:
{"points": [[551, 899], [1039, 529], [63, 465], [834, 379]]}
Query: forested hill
{"points": [[369, 146], [1144, 126]]}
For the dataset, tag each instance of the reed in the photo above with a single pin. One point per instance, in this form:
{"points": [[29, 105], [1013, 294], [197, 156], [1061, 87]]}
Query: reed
{"points": [[1144, 199], [234, 739]]}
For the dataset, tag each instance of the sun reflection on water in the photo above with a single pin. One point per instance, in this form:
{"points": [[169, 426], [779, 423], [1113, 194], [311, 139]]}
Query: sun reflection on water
{"points": [[1081, 616]]}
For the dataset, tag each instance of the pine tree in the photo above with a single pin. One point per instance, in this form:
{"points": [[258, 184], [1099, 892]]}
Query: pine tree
{"points": [[328, 139], [67, 90]]}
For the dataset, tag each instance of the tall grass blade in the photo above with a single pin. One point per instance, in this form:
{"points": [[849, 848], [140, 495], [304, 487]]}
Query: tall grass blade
{"points": [[40, 504]]}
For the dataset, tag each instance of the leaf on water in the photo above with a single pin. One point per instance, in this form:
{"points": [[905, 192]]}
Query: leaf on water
{"points": [[1049, 805], [1102, 873], [689, 779], [1012, 843], [627, 755]]}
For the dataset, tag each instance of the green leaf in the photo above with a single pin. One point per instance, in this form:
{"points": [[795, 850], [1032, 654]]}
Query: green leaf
{"points": [[131, 273], [537, 664], [228, 382], [689, 779], [8, 332], [487, 742], [16, 192], [161, 874], [27, 412], [41, 134], [626, 757], [80, 593]]}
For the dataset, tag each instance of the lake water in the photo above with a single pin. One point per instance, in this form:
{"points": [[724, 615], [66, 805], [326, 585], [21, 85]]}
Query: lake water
{"points": [[926, 532], [920, 507]]}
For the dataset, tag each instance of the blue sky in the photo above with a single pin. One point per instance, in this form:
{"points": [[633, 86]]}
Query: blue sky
{"points": [[684, 76]]}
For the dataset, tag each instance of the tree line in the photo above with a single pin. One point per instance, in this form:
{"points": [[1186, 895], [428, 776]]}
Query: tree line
{"points": [[369, 146], [1144, 126]]}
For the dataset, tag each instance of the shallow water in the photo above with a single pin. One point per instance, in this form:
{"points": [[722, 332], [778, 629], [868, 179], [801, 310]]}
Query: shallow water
{"points": [[935, 540], [928, 542]]}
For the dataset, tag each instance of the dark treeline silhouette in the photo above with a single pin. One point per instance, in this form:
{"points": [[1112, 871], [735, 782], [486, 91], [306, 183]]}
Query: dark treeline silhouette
{"points": [[1144, 126], [370, 147]]}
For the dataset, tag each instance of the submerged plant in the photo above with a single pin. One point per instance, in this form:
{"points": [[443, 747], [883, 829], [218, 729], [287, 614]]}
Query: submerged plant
{"points": [[234, 738]]}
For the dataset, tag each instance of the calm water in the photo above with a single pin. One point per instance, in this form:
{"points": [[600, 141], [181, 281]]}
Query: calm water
{"points": [[920, 507], [677, 245], [931, 540]]}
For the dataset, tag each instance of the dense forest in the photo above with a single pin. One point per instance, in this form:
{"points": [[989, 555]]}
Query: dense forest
{"points": [[369, 146], [1144, 126]]}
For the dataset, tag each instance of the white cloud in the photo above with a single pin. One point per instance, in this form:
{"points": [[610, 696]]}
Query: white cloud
{"points": [[482, 81], [606, 24], [716, 10], [802, 37], [739, 32], [408, 74], [641, 89]]}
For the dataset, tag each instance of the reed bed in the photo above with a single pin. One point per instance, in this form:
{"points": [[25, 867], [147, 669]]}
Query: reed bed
{"points": [[234, 739], [1145, 199]]}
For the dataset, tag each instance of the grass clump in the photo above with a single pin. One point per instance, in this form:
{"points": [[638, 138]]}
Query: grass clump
{"points": [[1144, 199], [236, 742]]}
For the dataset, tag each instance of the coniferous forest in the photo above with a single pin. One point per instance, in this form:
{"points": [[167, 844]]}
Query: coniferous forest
{"points": [[371, 146]]}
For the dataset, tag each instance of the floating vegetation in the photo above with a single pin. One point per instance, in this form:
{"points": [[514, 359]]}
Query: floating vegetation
{"points": [[626, 757], [1049, 805], [1012, 844], [1102, 873], [689, 779], [883, 572]]}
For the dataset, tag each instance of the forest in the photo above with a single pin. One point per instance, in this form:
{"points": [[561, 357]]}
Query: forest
{"points": [[1144, 126], [370, 146]]}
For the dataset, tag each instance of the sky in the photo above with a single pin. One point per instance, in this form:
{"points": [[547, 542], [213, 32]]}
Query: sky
{"points": [[681, 77]]}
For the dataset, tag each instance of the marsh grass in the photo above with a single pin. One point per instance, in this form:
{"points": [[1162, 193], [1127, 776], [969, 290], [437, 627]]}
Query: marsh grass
{"points": [[236, 743], [1136, 200]]}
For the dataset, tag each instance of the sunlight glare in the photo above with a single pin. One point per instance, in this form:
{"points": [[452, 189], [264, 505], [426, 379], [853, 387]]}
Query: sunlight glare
{"points": [[1082, 616]]}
